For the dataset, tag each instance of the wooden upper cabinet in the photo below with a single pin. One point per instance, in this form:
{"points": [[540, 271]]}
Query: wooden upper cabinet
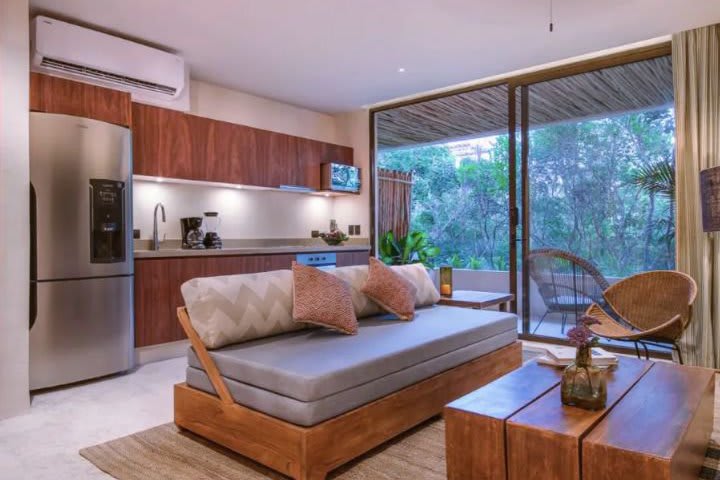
{"points": [[58, 95], [281, 160], [331, 153], [172, 144], [162, 143]]}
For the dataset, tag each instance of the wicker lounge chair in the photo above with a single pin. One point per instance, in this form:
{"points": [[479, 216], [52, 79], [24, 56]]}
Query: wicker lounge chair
{"points": [[656, 306], [567, 283]]}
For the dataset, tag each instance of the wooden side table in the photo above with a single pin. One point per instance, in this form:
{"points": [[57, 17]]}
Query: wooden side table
{"points": [[478, 300]]}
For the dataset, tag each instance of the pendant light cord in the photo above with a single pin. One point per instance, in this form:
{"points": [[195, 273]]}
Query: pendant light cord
{"points": [[551, 16]]}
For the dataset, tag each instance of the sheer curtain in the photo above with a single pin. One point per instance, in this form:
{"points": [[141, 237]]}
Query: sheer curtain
{"points": [[394, 192], [696, 71]]}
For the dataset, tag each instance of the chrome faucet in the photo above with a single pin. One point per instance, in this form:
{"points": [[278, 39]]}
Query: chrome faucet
{"points": [[155, 240]]}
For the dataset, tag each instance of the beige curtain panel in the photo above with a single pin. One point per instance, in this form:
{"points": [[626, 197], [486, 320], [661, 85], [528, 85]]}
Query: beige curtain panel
{"points": [[394, 196], [696, 72]]}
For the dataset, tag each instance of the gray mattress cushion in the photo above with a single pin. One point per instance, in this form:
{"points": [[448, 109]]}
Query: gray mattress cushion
{"points": [[312, 413], [312, 364]]}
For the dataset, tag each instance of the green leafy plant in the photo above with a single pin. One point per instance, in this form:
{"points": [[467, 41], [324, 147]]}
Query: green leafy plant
{"points": [[412, 248], [456, 261], [475, 263], [656, 178]]}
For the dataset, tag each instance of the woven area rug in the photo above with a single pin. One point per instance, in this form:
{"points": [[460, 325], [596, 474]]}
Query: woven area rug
{"points": [[164, 452]]}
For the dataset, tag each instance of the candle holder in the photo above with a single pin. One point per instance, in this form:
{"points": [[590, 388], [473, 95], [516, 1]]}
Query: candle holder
{"points": [[446, 281]]}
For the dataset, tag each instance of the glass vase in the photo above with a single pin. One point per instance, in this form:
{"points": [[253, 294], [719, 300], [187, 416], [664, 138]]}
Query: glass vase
{"points": [[584, 385]]}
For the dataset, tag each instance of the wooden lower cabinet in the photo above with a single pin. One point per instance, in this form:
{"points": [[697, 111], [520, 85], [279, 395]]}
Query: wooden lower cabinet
{"points": [[345, 259], [158, 281]]}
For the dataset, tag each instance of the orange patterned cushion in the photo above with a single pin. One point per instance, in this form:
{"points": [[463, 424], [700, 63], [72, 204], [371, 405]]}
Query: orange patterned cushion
{"points": [[390, 290], [322, 299]]}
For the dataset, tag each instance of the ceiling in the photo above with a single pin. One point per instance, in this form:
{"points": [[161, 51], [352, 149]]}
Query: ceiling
{"points": [[639, 86], [339, 55]]}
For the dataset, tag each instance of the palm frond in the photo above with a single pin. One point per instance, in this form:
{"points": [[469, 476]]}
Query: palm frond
{"points": [[657, 178]]}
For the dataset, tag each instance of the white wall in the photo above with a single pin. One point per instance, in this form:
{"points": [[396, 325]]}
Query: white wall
{"points": [[14, 181], [212, 101], [354, 131], [244, 213], [248, 213]]}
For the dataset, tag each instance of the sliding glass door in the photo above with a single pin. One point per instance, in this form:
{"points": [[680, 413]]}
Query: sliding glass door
{"points": [[444, 170], [551, 186], [600, 182]]}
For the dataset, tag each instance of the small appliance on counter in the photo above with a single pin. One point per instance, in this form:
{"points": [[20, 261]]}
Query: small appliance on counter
{"points": [[192, 235], [212, 223], [336, 177]]}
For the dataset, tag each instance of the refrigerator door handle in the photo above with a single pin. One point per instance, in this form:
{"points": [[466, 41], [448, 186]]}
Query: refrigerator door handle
{"points": [[33, 255]]}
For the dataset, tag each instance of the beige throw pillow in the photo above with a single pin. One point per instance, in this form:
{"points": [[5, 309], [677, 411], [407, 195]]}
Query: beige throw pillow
{"points": [[356, 276], [322, 299], [390, 290], [418, 275]]}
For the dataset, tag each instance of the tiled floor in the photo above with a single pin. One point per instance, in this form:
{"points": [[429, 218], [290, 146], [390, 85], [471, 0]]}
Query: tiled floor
{"points": [[43, 444]]}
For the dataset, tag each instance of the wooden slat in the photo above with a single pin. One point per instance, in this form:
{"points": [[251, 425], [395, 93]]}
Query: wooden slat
{"points": [[205, 360], [569, 93]]}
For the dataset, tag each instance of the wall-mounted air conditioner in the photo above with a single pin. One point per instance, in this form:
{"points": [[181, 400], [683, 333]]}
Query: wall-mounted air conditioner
{"points": [[70, 51]]}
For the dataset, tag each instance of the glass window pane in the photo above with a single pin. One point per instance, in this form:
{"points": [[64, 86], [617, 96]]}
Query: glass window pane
{"points": [[601, 173], [456, 149]]}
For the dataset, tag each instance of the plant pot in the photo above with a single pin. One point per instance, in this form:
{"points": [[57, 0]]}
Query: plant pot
{"points": [[333, 242], [584, 385]]}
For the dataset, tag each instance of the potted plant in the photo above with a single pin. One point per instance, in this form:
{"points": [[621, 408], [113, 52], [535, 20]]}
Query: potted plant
{"points": [[334, 237], [412, 248]]}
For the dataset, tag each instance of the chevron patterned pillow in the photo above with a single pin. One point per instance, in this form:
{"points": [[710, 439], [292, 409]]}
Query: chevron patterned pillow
{"points": [[236, 308]]}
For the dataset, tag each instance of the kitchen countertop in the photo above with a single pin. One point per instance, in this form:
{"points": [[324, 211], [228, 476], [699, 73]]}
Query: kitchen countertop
{"points": [[254, 250]]}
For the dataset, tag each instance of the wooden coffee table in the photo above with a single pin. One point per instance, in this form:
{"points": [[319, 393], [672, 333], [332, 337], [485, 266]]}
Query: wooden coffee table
{"points": [[656, 425], [478, 300]]}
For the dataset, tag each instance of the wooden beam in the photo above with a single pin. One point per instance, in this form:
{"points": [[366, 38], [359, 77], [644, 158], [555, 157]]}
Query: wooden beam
{"points": [[206, 361]]}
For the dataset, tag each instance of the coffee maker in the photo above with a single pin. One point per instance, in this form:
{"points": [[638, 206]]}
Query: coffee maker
{"points": [[212, 223], [192, 235]]}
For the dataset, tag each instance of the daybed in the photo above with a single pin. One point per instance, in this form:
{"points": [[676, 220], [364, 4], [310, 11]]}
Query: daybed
{"points": [[307, 400]]}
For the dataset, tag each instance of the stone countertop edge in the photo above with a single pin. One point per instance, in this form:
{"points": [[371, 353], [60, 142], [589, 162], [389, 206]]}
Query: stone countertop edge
{"points": [[176, 252]]}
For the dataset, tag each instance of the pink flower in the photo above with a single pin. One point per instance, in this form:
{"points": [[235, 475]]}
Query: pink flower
{"points": [[581, 336]]}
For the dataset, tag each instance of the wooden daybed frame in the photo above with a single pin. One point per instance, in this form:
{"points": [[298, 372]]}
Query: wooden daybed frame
{"points": [[309, 453]]}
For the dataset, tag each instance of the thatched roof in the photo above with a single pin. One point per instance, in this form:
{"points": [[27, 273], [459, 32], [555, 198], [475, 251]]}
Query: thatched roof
{"points": [[636, 86]]}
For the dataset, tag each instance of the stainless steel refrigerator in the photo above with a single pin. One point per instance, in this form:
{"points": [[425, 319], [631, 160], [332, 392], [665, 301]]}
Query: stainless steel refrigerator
{"points": [[81, 290]]}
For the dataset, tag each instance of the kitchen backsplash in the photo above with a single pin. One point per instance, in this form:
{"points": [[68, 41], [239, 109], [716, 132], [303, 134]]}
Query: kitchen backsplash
{"points": [[244, 213]]}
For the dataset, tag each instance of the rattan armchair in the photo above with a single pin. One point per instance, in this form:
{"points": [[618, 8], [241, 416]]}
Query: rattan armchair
{"points": [[656, 306], [568, 284]]}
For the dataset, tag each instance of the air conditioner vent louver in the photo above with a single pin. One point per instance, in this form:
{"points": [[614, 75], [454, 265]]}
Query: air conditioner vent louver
{"points": [[59, 65]]}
